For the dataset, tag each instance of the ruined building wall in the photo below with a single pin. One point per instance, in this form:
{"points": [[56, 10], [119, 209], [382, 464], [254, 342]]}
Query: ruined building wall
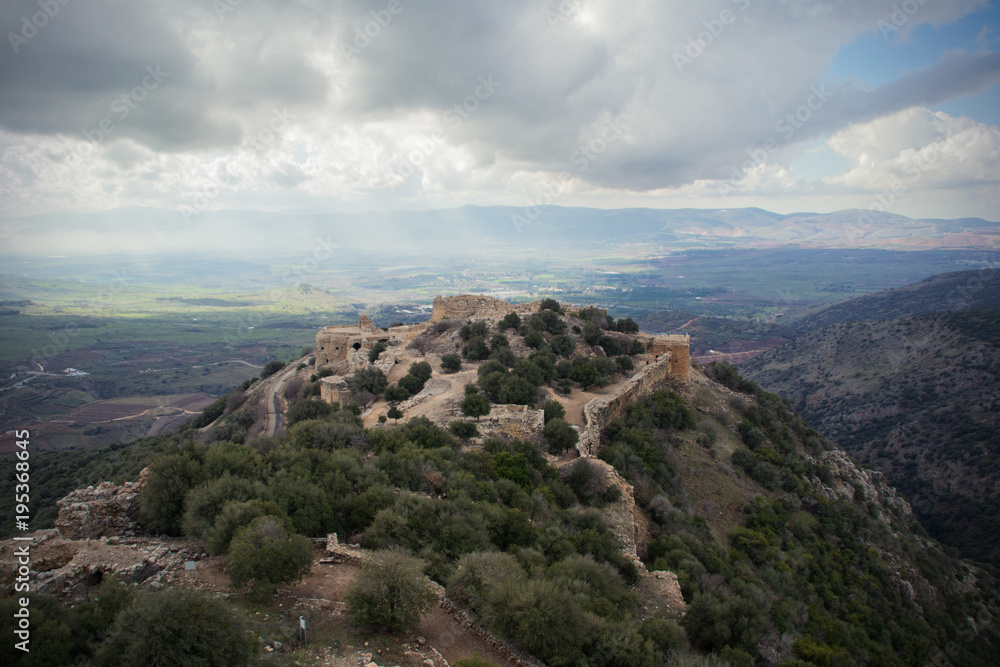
{"points": [[467, 306], [516, 421], [673, 364], [334, 345], [333, 389], [677, 348], [600, 411], [680, 360]]}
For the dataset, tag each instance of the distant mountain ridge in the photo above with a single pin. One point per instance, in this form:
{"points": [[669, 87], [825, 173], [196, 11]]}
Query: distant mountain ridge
{"points": [[496, 228], [956, 291]]}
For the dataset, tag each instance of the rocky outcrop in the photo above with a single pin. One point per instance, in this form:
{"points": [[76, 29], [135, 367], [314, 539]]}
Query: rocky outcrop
{"points": [[853, 484], [104, 510], [70, 568]]}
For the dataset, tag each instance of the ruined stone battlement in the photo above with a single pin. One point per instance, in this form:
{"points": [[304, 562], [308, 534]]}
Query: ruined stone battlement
{"points": [[466, 306], [600, 411], [333, 344], [676, 347]]}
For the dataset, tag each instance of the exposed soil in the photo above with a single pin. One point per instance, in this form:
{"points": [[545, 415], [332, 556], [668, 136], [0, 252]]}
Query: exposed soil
{"points": [[324, 589]]}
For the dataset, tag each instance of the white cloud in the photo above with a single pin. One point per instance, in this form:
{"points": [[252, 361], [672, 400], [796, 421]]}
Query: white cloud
{"points": [[372, 128], [917, 148]]}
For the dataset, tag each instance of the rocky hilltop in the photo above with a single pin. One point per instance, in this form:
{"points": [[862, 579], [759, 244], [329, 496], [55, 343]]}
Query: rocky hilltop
{"points": [[619, 513]]}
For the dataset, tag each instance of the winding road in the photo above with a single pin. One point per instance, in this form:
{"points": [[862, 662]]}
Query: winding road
{"points": [[274, 399]]}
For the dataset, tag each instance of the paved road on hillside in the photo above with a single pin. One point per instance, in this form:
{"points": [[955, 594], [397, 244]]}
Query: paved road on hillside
{"points": [[274, 400]]}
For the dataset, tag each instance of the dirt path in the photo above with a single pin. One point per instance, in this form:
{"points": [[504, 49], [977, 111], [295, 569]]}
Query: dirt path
{"points": [[327, 584], [441, 391], [453, 641], [440, 399]]}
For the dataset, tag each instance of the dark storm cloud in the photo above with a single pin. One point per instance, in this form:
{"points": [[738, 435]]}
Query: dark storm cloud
{"points": [[589, 88], [93, 61]]}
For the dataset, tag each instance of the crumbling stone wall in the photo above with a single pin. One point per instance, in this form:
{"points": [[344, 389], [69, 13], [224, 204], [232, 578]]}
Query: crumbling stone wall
{"points": [[104, 510], [600, 411], [660, 592], [467, 306], [515, 421], [334, 345]]}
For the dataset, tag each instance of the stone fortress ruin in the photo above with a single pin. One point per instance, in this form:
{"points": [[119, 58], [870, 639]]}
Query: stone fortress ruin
{"points": [[344, 349], [337, 345], [333, 344]]}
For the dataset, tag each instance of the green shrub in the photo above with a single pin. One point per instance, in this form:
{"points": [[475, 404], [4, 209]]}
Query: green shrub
{"points": [[554, 410], [534, 340], [308, 408], [550, 304], [388, 593], [560, 435], [510, 321], [563, 346], [233, 516], [666, 635], [377, 349], [475, 349], [451, 363], [547, 320], [463, 429], [161, 502], [270, 368], [265, 554], [178, 626], [203, 503], [474, 329], [475, 405], [396, 393], [370, 380]]}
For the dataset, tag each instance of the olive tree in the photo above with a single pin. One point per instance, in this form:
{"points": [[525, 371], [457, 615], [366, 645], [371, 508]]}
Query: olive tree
{"points": [[389, 592], [265, 554]]}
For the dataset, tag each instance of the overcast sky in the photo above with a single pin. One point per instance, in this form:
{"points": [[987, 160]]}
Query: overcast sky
{"points": [[347, 105]]}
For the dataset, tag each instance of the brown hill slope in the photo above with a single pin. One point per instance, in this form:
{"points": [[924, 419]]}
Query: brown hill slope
{"points": [[956, 291], [917, 398]]}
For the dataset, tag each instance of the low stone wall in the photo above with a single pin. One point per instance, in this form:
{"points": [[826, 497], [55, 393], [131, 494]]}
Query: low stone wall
{"points": [[468, 621], [515, 421], [600, 411]]}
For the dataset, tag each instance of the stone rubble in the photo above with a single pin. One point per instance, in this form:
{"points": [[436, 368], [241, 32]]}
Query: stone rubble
{"points": [[104, 510]]}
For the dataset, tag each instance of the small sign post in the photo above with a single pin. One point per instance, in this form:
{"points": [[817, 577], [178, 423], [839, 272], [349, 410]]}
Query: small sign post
{"points": [[302, 630], [192, 567]]}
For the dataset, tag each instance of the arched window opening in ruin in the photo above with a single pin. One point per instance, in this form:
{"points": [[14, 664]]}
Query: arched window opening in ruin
{"points": [[357, 346]]}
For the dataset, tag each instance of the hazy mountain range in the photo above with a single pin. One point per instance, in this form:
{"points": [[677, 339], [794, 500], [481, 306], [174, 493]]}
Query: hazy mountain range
{"points": [[496, 228]]}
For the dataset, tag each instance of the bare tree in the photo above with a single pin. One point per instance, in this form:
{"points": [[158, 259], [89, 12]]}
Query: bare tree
{"points": [[421, 344], [364, 398], [294, 389]]}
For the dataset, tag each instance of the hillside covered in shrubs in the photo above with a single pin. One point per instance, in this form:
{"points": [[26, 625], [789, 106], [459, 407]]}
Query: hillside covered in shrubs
{"points": [[786, 552]]}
